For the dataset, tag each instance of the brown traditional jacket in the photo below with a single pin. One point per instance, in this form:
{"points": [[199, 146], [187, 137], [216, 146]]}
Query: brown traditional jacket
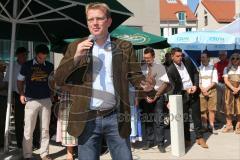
{"points": [[78, 79]]}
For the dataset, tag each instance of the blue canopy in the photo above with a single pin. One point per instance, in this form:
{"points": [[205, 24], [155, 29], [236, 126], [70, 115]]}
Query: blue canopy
{"points": [[201, 40]]}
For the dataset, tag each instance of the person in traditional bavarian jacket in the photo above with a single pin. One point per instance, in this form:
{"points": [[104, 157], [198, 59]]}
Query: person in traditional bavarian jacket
{"points": [[208, 79], [232, 95]]}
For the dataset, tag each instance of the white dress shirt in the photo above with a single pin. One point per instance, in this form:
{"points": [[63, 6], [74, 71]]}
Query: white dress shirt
{"points": [[186, 80], [207, 75], [103, 77], [16, 70]]}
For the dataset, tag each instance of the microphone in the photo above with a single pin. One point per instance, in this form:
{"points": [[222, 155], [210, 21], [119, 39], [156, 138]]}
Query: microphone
{"points": [[92, 38]]}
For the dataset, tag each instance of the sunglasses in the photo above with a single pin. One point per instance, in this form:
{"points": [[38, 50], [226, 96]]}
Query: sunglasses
{"points": [[235, 58]]}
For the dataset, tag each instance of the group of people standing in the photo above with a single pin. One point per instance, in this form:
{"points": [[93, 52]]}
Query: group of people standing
{"points": [[206, 90], [219, 90], [181, 77]]}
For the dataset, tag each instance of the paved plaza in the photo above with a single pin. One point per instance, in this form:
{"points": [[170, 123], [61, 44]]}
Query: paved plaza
{"points": [[222, 146]]}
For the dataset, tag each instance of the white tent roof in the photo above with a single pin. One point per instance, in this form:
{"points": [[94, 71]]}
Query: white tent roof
{"points": [[232, 28]]}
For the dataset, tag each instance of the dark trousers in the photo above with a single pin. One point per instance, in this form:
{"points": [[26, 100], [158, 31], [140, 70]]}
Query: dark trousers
{"points": [[192, 102], [90, 141], [19, 123], [3, 109], [153, 119]]}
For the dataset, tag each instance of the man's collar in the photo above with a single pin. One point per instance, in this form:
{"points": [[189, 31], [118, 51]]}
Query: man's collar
{"points": [[205, 66], [107, 40], [36, 62], [178, 66]]}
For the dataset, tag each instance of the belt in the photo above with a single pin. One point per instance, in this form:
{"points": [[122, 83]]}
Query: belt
{"points": [[92, 114], [101, 113]]}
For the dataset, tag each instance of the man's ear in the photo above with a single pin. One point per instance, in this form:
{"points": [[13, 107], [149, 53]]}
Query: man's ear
{"points": [[109, 21]]}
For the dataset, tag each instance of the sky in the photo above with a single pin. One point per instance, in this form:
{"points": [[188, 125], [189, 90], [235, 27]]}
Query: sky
{"points": [[193, 4]]}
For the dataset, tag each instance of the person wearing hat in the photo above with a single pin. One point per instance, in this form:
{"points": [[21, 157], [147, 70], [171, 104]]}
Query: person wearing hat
{"points": [[34, 76]]}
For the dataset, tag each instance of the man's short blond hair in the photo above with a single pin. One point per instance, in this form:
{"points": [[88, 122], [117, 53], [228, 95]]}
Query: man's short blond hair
{"points": [[97, 5]]}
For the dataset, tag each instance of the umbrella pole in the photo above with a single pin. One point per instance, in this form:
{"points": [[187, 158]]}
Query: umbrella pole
{"points": [[13, 39], [6, 140]]}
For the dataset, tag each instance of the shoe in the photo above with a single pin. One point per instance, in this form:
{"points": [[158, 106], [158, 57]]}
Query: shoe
{"points": [[188, 143], [202, 142], [35, 147], [227, 129], [46, 158], [161, 149], [237, 130], [213, 130], [147, 145], [205, 129]]}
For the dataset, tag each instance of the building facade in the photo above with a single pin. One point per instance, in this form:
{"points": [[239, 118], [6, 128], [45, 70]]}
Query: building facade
{"points": [[146, 15], [176, 17], [214, 14]]}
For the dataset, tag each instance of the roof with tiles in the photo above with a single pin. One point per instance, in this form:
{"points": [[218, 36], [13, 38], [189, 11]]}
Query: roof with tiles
{"points": [[168, 11], [222, 10]]}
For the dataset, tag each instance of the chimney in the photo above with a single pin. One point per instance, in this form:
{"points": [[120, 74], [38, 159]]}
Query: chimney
{"points": [[237, 9]]}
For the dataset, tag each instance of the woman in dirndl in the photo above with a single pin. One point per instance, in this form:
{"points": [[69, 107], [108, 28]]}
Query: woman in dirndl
{"points": [[62, 134], [232, 94]]}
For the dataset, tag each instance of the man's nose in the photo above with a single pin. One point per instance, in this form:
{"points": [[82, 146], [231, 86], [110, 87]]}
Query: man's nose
{"points": [[95, 21]]}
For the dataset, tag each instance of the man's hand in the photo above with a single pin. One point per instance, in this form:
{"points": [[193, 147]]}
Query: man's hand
{"points": [[82, 48], [193, 89], [151, 100], [206, 94], [205, 91], [168, 105], [22, 99], [235, 90]]}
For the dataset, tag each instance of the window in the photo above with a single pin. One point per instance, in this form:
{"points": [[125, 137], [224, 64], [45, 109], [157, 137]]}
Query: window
{"points": [[188, 29], [205, 12], [206, 20], [162, 31], [174, 31], [181, 18], [5, 46]]}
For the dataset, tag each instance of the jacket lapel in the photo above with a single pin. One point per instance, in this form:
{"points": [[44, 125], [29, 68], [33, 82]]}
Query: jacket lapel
{"points": [[176, 74], [116, 63]]}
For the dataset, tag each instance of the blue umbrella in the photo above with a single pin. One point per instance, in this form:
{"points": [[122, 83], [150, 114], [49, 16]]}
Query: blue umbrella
{"points": [[201, 40], [238, 43]]}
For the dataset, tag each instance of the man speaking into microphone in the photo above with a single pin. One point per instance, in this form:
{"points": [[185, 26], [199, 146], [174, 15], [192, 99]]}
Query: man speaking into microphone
{"points": [[100, 101]]}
